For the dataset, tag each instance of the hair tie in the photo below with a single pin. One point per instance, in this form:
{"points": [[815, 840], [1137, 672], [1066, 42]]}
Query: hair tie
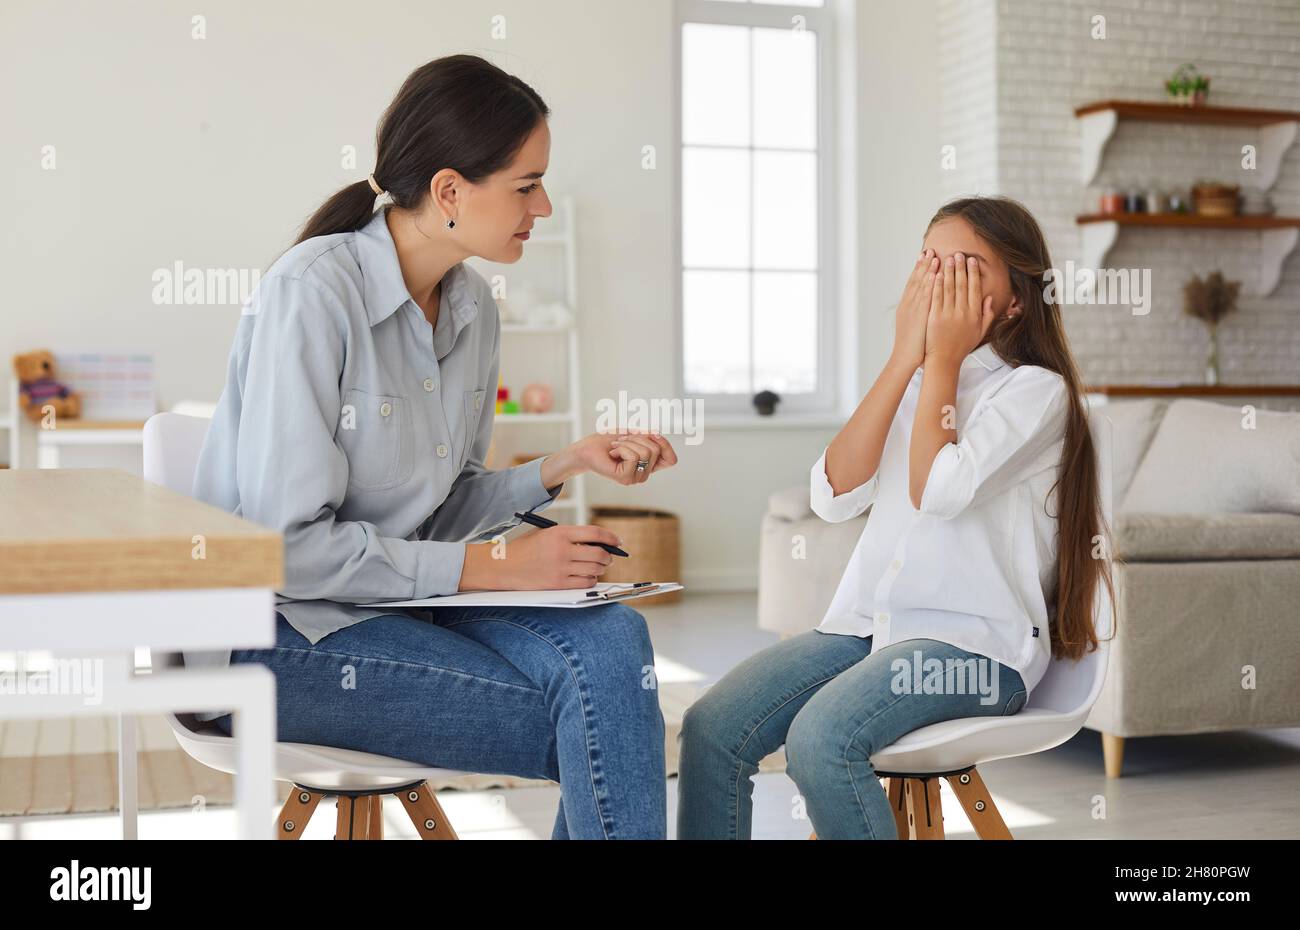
{"points": [[374, 186]]}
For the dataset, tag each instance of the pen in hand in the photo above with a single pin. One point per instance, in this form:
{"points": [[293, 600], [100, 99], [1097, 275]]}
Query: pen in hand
{"points": [[542, 523]]}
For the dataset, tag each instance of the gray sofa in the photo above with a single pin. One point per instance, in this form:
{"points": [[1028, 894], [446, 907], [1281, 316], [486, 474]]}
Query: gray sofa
{"points": [[1207, 538]]}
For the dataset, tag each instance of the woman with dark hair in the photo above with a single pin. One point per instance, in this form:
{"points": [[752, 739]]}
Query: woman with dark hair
{"points": [[355, 420]]}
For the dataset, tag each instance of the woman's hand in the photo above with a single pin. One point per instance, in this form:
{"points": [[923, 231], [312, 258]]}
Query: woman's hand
{"points": [[550, 559], [611, 455], [960, 314], [913, 311]]}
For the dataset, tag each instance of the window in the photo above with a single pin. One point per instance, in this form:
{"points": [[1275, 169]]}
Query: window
{"points": [[755, 288]]}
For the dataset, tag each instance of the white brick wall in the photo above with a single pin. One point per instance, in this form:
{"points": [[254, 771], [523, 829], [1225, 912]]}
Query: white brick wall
{"points": [[968, 95], [1038, 60]]}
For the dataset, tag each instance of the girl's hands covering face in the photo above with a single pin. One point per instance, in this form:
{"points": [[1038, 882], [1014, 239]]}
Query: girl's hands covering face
{"points": [[912, 315], [960, 312]]}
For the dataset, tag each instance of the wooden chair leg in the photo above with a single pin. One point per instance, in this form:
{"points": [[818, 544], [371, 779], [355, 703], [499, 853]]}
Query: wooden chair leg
{"points": [[353, 818], [898, 804], [297, 810], [978, 804], [426, 813], [924, 808], [1112, 751], [376, 829]]}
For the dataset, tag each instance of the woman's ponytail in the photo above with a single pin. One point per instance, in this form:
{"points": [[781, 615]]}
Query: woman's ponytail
{"points": [[348, 210]]}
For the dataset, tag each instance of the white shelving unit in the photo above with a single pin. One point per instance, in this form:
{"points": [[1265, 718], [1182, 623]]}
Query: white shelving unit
{"points": [[78, 432], [561, 241], [11, 422]]}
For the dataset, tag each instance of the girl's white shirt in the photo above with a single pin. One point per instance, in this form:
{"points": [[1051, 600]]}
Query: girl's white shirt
{"points": [[975, 564]]}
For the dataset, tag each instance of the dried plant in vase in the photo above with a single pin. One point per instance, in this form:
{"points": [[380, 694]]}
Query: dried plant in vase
{"points": [[1210, 300]]}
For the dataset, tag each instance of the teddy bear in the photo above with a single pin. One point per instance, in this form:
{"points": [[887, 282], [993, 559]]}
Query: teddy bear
{"points": [[37, 387]]}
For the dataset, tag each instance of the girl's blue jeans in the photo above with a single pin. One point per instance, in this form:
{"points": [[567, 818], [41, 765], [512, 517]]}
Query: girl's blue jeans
{"points": [[562, 694], [832, 704]]}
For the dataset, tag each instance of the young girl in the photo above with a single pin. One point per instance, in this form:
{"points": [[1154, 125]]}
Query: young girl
{"points": [[976, 566]]}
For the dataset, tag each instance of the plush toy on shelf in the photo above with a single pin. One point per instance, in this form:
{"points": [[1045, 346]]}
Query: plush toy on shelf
{"points": [[504, 403], [38, 388]]}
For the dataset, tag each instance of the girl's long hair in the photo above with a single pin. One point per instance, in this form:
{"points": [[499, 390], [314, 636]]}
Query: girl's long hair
{"points": [[1037, 337], [458, 112]]}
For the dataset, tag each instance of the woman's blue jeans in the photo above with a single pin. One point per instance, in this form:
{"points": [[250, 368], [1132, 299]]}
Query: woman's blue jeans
{"points": [[568, 695], [832, 704]]}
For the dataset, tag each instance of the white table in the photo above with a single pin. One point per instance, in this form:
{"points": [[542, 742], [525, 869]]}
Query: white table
{"points": [[95, 563]]}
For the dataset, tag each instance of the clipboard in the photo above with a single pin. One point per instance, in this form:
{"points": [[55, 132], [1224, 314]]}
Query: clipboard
{"points": [[604, 593]]}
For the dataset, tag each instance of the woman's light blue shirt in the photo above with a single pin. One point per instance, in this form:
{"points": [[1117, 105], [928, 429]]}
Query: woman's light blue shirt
{"points": [[357, 430]]}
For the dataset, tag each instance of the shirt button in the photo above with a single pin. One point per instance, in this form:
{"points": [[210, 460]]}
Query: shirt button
{"points": [[882, 618], [478, 402], [428, 384], [385, 409], [442, 451], [895, 565]]}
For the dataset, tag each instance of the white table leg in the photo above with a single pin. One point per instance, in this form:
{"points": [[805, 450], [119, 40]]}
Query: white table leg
{"points": [[255, 721], [128, 782]]}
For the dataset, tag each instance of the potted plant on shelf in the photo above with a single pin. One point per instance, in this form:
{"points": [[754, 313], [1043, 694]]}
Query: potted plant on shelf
{"points": [[1210, 300], [1200, 90], [1187, 87]]}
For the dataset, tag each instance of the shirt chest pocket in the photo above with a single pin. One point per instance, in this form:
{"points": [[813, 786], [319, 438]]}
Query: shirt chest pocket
{"points": [[376, 434], [473, 413]]}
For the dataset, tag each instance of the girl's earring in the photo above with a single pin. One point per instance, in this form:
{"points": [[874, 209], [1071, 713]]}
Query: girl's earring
{"points": [[451, 224]]}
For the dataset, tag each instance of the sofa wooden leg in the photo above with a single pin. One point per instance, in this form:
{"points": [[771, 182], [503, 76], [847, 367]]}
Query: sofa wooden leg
{"points": [[1112, 752], [924, 809], [296, 812], [978, 804], [426, 813]]}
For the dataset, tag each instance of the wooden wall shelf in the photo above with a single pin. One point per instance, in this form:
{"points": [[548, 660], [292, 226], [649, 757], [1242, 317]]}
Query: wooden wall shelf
{"points": [[1097, 122], [1196, 390], [1191, 220], [1278, 236], [1153, 112]]}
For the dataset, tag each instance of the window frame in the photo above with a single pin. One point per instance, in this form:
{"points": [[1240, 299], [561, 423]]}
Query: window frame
{"points": [[771, 16]]}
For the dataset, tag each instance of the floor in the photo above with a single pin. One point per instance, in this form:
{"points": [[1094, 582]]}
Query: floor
{"points": [[1228, 785]]}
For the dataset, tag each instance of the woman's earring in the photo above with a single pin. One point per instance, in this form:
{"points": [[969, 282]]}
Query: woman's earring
{"points": [[451, 224]]}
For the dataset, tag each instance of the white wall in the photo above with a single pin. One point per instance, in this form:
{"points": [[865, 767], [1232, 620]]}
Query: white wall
{"points": [[213, 152]]}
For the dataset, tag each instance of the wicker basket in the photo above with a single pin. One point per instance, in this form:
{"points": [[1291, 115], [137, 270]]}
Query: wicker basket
{"points": [[652, 539]]}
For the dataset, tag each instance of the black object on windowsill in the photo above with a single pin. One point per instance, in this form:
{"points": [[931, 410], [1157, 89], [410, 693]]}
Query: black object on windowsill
{"points": [[765, 403]]}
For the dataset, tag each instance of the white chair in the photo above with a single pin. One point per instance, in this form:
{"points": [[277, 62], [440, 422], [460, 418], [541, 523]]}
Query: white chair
{"points": [[912, 766], [358, 780]]}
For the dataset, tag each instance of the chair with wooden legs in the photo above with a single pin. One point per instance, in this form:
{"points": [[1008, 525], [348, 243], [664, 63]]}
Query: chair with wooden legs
{"points": [[358, 780], [951, 749], [361, 813]]}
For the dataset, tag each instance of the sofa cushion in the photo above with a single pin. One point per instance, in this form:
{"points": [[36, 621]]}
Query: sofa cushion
{"points": [[793, 503], [1133, 423], [1204, 460], [1187, 537]]}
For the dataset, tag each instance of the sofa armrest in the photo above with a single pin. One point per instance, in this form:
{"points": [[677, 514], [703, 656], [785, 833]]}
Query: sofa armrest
{"points": [[1206, 537], [794, 503]]}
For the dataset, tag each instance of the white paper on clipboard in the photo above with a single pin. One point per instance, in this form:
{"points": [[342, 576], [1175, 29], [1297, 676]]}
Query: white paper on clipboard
{"points": [[568, 597]]}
